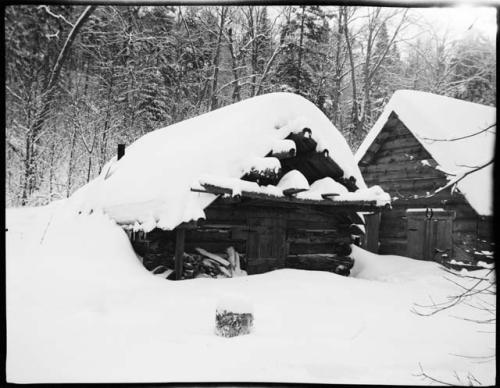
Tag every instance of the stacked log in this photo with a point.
(202, 264)
(338, 264)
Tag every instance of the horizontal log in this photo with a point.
(318, 262)
(294, 233)
(389, 157)
(309, 248)
(283, 154)
(358, 205)
(409, 167)
(208, 234)
(400, 141)
(313, 239)
(340, 246)
(319, 224)
(373, 149)
(414, 181)
(329, 195)
(292, 191)
(443, 198)
(399, 129)
(314, 165)
(261, 265)
(216, 247)
(404, 174)
(303, 141)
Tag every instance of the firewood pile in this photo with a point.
(206, 264)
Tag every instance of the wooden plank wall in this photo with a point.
(403, 168)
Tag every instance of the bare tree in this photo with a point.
(47, 96)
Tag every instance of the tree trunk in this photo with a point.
(301, 41)
(89, 168)
(338, 75)
(235, 64)
(104, 139)
(70, 165)
(51, 169)
(354, 112)
(46, 100)
(214, 104)
(252, 25)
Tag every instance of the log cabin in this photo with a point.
(269, 178)
(417, 151)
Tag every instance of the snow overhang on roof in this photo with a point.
(436, 121)
(151, 185)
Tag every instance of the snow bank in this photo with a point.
(432, 118)
(81, 308)
(391, 268)
(151, 184)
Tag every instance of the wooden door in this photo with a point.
(266, 244)
(429, 233)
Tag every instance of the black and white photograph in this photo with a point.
(250, 192)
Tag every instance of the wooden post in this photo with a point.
(179, 252)
(121, 151)
(372, 231)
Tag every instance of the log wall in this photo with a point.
(269, 236)
(398, 163)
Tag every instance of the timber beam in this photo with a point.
(352, 205)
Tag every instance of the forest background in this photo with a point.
(79, 80)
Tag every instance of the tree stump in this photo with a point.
(233, 318)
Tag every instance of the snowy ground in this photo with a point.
(80, 307)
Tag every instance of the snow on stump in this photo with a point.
(233, 317)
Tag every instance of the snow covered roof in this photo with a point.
(433, 120)
(150, 186)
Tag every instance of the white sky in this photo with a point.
(458, 19)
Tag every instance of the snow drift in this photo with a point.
(81, 308)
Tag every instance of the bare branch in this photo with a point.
(462, 137)
(462, 176)
(59, 17)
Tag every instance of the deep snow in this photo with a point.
(150, 185)
(80, 307)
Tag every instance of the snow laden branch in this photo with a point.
(462, 137)
(461, 176)
(69, 40)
